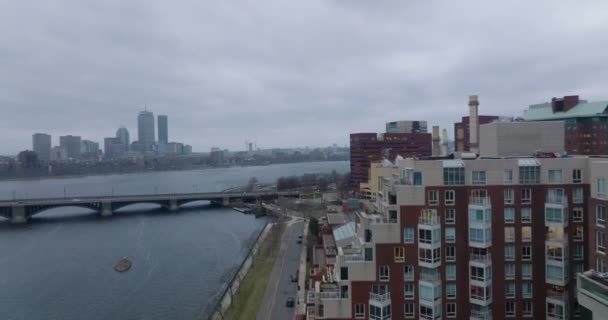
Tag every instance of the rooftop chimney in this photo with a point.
(436, 139)
(444, 142)
(473, 124)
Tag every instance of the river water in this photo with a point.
(60, 265)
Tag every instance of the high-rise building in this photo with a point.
(41, 144)
(113, 148)
(586, 123)
(163, 129)
(72, 145)
(175, 148)
(145, 130)
(122, 134)
(474, 238)
(366, 148)
(89, 146)
(59, 154)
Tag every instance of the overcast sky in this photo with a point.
(286, 73)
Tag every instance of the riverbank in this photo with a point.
(138, 172)
(245, 294)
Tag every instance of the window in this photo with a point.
(600, 187)
(509, 271)
(526, 271)
(450, 234)
(577, 176)
(408, 310)
(599, 264)
(529, 175)
(526, 215)
(417, 178)
(600, 215)
(450, 272)
(453, 176)
(429, 255)
(526, 289)
(359, 311)
(555, 176)
(392, 216)
(510, 290)
(509, 199)
(479, 273)
(526, 233)
(408, 273)
(369, 254)
(577, 214)
(384, 274)
(368, 235)
(429, 293)
(554, 215)
(509, 252)
(450, 291)
(429, 236)
(451, 310)
(579, 252)
(433, 197)
(509, 234)
(344, 292)
(599, 242)
(408, 291)
(527, 308)
(577, 233)
(320, 311)
(427, 312)
(450, 215)
(408, 235)
(526, 196)
(507, 176)
(399, 254)
(577, 195)
(510, 309)
(478, 177)
(343, 273)
(450, 197)
(526, 252)
(509, 215)
(480, 293)
(450, 254)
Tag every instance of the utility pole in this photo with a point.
(65, 193)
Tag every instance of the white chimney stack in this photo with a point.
(444, 142)
(473, 124)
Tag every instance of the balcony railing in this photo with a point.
(480, 315)
(430, 276)
(380, 297)
(430, 220)
(485, 258)
(557, 295)
(557, 199)
(354, 257)
(329, 295)
(480, 201)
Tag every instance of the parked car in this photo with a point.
(290, 302)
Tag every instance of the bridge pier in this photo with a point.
(226, 201)
(18, 214)
(106, 209)
(173, 205)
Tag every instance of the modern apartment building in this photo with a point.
(377, 171)
(72, 145)
(586, 123)
(366, 148)
(500, 238)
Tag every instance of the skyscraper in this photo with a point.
(122, 134)
(72, 144)
(163, 130)
(41, 144)
(145, 130)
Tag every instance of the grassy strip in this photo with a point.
(249, 297)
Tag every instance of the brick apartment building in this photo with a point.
(586, 123)
(467, 239)
(366, 148)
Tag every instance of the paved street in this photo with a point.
(279, 284)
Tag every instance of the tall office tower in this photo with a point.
(163, 129)
(145, 130)
(122, 134)
(72, 145)
(41, 144)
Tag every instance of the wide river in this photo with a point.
(60, 265)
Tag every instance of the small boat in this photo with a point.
(123, 265)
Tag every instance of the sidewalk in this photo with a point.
(301, 299)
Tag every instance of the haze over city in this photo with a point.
(286, 73)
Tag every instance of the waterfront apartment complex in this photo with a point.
(477, 238)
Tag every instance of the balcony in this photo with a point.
(556, 216)
(557, 305)
(480, 202)
(480, 258)
(480, 315)
(380, 299)
(432, 221)
(557, 199)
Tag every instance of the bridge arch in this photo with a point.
(35, 210)
(121, 205)
(181, 203)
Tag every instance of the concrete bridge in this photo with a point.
(20, 211)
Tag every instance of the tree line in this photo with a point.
(315, 182)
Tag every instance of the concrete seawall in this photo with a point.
(226, 299)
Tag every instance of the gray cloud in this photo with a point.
(286, 73)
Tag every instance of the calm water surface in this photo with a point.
(60, 266)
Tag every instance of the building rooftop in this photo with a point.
(544, 111)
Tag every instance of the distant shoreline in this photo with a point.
(69, 176)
